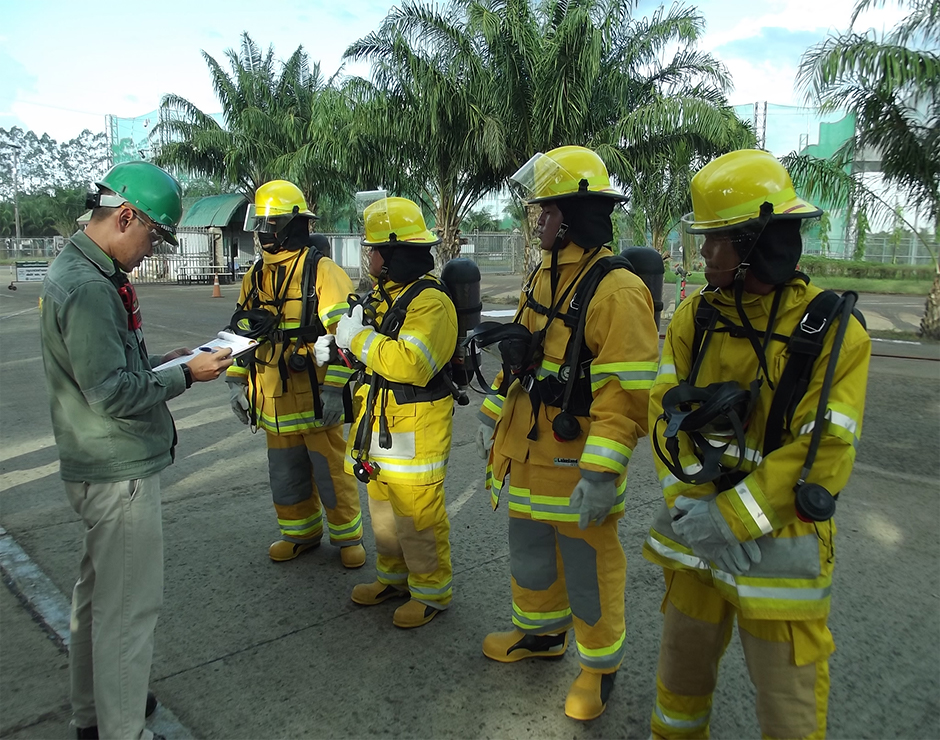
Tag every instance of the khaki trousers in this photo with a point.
(115, 604)
(787, 660)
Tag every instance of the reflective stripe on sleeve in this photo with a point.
(420, 344)
(606, 453)
(752, 508)
(330, 315)
(631, 375)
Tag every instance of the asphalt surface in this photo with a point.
(246, 648)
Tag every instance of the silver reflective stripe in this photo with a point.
(419, 345)
(338, 531)
(333, 314)
(753, 508)
(393, 468)
(681, 724)
(750, 454)
(388, 577)
(690, 561)
(364, 355)
(429, 592)
(786, 594)
(837, 418)
(667, 369)
(607, 454)
(671, 480)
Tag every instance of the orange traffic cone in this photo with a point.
(216, 290)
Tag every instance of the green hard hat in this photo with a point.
(152, 190)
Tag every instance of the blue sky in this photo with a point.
(60, 78)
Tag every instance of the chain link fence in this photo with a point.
(493, 252)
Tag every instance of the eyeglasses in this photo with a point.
(156, 239)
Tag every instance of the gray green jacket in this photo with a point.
(109, 411)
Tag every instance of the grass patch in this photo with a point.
(906, 336)
(871, 285)
(827, 282)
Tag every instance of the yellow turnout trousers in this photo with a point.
(788, 662)
(412, 539)
(562, 575)
(306, 470)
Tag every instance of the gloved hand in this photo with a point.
(238, 397)
(700, 523)
(324, 350)
(349, 326)
(332, 399)
(594, 496)
(484, 440)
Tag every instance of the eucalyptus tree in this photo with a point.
(890, 81)
(269, 108)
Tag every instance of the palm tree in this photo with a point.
(270, 109)
(476, 87)
(428, 124)
(890, 82)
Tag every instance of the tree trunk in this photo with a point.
(449, 248)
(364, 286)
(930, 324)
(533, 246)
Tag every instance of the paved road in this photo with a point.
(251, 649)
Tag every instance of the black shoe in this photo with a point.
(91, 733)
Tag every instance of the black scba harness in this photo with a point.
(440, 386)
(261, 319)
(521, 350)
(723, 408)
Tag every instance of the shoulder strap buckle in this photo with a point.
(807, 327)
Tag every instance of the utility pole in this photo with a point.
(16, 189)
(760, 123)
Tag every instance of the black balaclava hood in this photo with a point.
(294, 235)
(405, 263)
(322, 244)
(774, 256)
(588, 219)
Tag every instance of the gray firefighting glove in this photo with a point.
(238, 397)
(484, 440)
(594, 496)
(700, 523)
(332, 399)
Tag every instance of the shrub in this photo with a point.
(820, 266)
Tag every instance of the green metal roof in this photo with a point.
(213, 210)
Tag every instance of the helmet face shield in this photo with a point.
(541, 177)
(276, 203)
(565, 172)
(261, 221)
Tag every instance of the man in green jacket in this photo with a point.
(114, 434)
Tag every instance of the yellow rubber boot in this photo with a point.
(283, 550)
(587, 697)
(413, 614)
(370, 594)
(353, 556)
(516, 645)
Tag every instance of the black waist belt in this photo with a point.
(407, 393)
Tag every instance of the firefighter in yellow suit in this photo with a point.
(565, 492)
(400, 441)
(281, 390)
(742, 546)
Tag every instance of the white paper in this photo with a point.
(223, 340)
